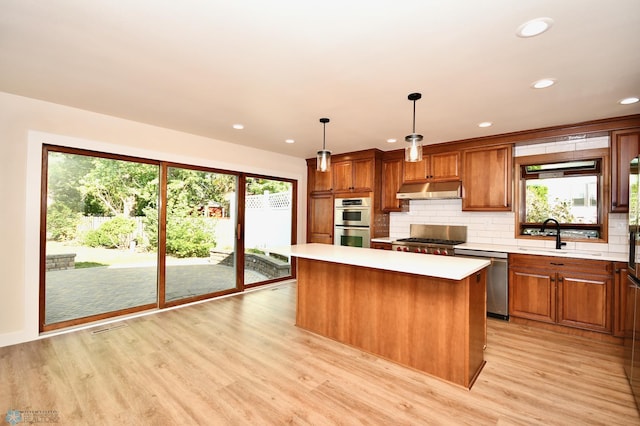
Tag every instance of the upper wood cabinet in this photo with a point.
(353, 175)
(443, 166)
(625, 145)
(317, 181)
(487, 178)
(391, 182)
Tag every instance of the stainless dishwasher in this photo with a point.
(497, 280)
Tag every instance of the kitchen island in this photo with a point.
(426, 312)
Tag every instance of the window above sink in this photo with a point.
(568, 187)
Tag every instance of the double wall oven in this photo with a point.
(352, 222)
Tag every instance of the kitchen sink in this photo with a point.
(561, 252)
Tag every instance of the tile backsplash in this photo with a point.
(494, 227)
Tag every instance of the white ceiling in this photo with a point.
(278, 66)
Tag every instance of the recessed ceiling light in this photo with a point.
(485, 124)
(534, 27)
(628, 101)
(392, 140)
(238, 126)
(289, 141)
(543, 83)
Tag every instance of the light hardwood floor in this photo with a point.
(241, 361)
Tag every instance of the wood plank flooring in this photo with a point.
(241, 360)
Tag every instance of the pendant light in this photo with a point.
(413, 152)
(323, 160)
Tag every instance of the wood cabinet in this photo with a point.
(317, 181)
(392, 166)
(487, 178)
(320, 218)
(625, 145)
(380, 246)
(444, 166)
(621, 300)
(353, 175)
(571, 292)
(356, 174)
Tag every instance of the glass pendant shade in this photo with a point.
(323, 160)
(413, 152)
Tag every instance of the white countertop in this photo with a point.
(577, 254)
(541, 251)
(453, 268)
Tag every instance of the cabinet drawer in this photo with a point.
(602, 267)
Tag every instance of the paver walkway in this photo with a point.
(77, 293)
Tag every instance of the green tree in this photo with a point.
(64, 174)
(257, 186)
(122, 187)
(539, 208)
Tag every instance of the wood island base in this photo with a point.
(434, 325)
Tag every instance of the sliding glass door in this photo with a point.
(200, 238)
(268, 217)
(121, 234)
(99, 251)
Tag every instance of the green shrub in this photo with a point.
(116, 233)
(62, 222)
(190, 237)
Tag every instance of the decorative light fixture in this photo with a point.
(413, 152)
(323, 160)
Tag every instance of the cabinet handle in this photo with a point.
(557, 264)
(560, 279)
(553, 279)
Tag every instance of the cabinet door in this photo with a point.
(318, 181)
(342, 172)
(320, 219)
(391, 181)
(415, 172)
(486, 179)
(363, 175)
(584, 301)
(532, 295)
(620, 284)
(445, 166)
(625, 145)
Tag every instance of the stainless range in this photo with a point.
(432, 239)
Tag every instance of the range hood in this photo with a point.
(430, 191)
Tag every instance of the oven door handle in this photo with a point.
(354, 227)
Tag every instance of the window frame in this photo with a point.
(603, 191)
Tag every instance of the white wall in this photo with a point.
(499, 227)
(26, 124)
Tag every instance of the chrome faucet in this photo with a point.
(559, 244)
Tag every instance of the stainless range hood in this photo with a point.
(430, 191)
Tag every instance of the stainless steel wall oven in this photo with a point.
(352, 222)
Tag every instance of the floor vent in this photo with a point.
(109, 328)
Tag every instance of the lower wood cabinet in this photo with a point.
(380, 246)
(320, 218)
(571, 292)
(623, 291)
